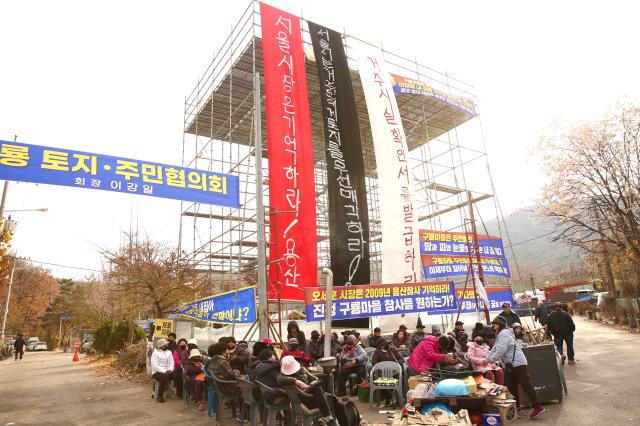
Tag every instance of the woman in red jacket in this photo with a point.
(429, 352)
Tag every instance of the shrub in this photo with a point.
(110, 336)
(133, 357)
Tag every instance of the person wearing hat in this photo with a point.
(177, 365)
(293, 331)
(561, 325)
(506, 350)
(162, 366)
(191, 344)
(375, 337)
(314, 349)
(461, 336)
(219, 366)
(509, 315)
(294, 350)
(521, 337)
(417, 335)
(431, 351)
(293, 374)
(194, 377)
(353, 360)
(386, 352)
(478, 351)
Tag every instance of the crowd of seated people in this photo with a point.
(278, 365)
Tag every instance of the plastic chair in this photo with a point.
(249, 401)
(305, 415)
(169, 390)
(222, 397)
(369, 352)
(389, 369)
(211, 401)
(273, 410)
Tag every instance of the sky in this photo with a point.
(111, 78)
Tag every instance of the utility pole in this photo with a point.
(476, 248)
(263, 314)
(6, 307)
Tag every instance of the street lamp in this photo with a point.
(6, 307)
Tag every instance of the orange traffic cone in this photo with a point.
(75, 356)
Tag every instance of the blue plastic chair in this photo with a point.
(211, 403)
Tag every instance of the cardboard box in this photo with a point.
(491, 420)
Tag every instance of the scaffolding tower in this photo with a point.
(443, 133)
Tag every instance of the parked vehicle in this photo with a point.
(30, 342)
(39, 346)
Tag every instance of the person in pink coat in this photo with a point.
(428, 353)
(476, 353)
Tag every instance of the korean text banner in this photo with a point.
(448, 266)
(348, 215)
(292, 196)
(220, 308)
(467, 304)
(56, 166)
(404, 85)
(440, 243)
(398, 217)
(361, 301)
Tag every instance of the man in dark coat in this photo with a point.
(541, 313)
(417, 335)
(18, 346)
(461, 336)
(374, 339)
(509, 315)
(561, 325)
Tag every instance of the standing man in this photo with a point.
(162, 366)
(417, 335)
(509, 315)
(461, 336)
(18, 346)
(561, 325)
(541, 313)
(512, 357)
(172, 342)
(374, 339)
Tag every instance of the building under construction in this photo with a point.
(442, 128)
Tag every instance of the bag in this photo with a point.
(346, 413)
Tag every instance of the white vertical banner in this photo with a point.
(400, 250)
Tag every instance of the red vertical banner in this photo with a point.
(292, 198)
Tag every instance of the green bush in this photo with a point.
(110, 336)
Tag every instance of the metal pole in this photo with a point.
(263, 314)
(477, 250)
(327, 310)
(6, 308)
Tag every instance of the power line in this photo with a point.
(61, 266)
(531, 239)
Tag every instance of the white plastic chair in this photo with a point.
(388, 369)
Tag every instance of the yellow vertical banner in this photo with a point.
(163, 328)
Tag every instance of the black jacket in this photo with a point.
(266, 372)
(511, 317)
(301, 339)
(374, 340)
(19, 344)
(560, 323)
(303, 375)
(315, 349)
(541, 314)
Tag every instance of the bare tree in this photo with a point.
(150, 277)
(592, 192)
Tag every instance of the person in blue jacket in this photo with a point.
(353, 359)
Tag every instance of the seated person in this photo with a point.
(336, 348)
(292, 373)
(191, 344)
(386, 352)
(177, 365)
(221, 369)
(266, 371)
(430, 352)
(294, 350)
(402, 341)
(478, 351)
(521, 338)
(255, 353)
(162, 366)
(237, 354)
(195, 378)
(374, 339)
(461, 336)
(314, 347)
(353, 360)
(418, 334)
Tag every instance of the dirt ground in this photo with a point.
(46, 388)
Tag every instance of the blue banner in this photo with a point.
(363, 301)
(220, 308)
(448, 266)
(468, 302)
(55, 166)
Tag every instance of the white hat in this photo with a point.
(192, 342)
(516, 324)
(194, 353)
(289, 365)
(162, 342)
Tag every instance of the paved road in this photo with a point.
(47, 388)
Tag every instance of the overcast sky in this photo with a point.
(111, 77)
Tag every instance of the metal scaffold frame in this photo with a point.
(220, 129)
